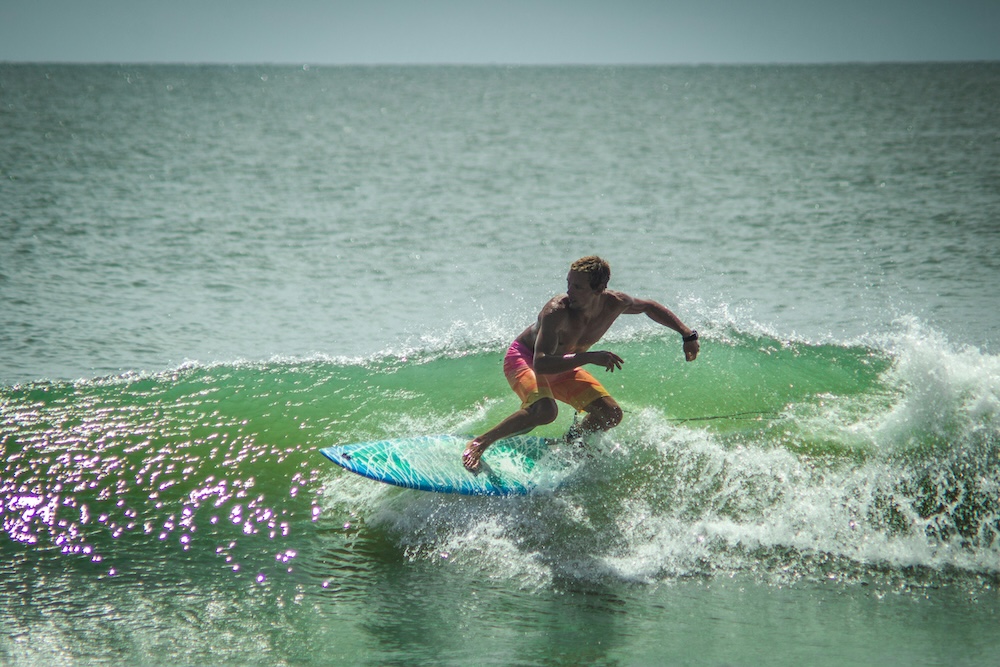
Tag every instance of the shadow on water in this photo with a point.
(457, 580)
(468, 619)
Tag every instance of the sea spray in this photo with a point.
(813, 487)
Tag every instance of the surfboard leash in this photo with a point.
(758, 415)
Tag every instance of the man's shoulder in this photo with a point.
(618, 299)
(615, 295)
(557, 306)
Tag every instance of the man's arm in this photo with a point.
(547, 362)
(663, 315)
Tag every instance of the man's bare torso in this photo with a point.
(569, 330)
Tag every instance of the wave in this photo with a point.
(785, 459)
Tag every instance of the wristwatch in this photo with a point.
(692, 337)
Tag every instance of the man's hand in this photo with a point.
(691, 350)
(609, 360)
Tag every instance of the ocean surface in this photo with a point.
(207, 273)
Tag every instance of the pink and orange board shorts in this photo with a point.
(576, 387)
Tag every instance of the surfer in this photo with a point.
(544, 364)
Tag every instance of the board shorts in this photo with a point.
(575, 387)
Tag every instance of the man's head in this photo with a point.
(596, 269)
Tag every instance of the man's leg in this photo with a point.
(584, 392)
(543, 411)
(603, 414)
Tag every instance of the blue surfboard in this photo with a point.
(513, 466)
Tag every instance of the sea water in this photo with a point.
(209, 273)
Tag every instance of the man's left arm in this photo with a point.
(663, 315)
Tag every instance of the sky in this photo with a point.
(499, 32)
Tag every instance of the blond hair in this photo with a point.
(598, 270)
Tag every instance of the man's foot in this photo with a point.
(579, 443)
(471, 455)
(575, 435)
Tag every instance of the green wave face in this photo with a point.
(758, 449)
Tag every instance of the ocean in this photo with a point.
(208, 273)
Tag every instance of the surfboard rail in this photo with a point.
(514, 466)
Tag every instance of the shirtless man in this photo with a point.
(544, 363)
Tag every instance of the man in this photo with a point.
(544, 363)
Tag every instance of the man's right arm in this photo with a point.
(548, 362)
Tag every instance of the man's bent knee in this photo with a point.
(543, 411)
(605, 412)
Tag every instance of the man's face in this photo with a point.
(578, 289)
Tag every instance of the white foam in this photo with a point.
(664, 501)
(945, 393)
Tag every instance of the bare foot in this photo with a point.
(575, 435)
(471, 455)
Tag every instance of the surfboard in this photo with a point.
(514, 466)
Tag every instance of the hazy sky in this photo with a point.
(501, 31)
